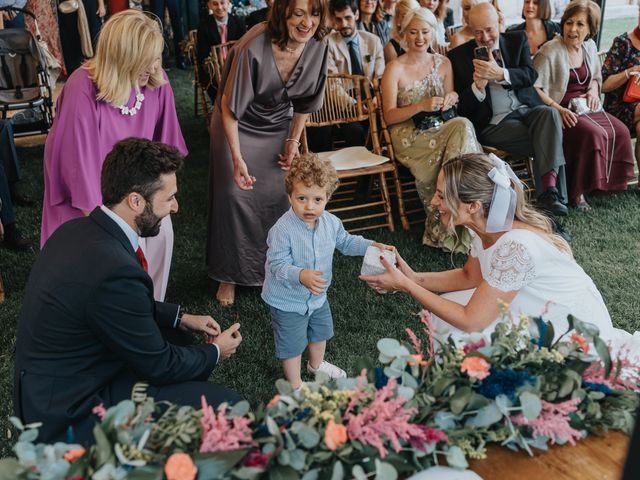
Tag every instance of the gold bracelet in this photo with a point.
(293, 140)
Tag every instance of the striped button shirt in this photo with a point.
(294, 247)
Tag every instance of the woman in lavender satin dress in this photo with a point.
(121, 92)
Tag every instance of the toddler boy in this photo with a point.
(298, 268)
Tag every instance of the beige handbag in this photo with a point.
(70, 6)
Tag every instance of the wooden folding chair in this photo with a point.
(522, 166)
(218, 57)
(199, 90)
(344, 103)
(410, 207)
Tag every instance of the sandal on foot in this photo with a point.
(583, 206)
(226, 295)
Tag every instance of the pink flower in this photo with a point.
(256, 459)
(625, 373)
(475, 367)
(274, 401)
(429, 437)
(472, 347)
(221, 434)
(100, 411)
(553, 421)
(384, 420)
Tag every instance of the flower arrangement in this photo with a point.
(428, 401)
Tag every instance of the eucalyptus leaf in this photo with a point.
(460, 400)
(445, 420)
(28, 436)
(384, 359)
(216, 465)
(392, 372)
(399, 363)
(338, 471)
(409, 381)
(311, 474)
(104, 450)
(240, 409)
(504, 404)
(248, 473)
(406, 392)
(16, 422)
(441, 385)
(284, 387)
(308, 436)
(9, 468)
(389, 347)
(486, 416)
(531, 405)
(148, 472)
(280, 472)
(385, 471)
(298, 458)
(605, 356)
(346, 383)
(284, 458)
(358, 472)
(456, 458)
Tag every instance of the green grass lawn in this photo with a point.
(606, 243)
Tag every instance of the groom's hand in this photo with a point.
(228, 341)
(200, 323)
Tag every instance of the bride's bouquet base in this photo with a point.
(594, 458)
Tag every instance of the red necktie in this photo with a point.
(223, 38)
(142, 259)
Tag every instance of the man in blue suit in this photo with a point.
(90, 328)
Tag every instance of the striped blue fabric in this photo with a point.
(294, 247)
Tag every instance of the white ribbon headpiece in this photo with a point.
(503, 203)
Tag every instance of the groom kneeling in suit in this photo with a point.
(90, 328)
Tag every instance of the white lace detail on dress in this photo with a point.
(511, 267)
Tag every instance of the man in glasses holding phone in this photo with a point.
(494, 77)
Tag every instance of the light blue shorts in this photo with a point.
(292, 332)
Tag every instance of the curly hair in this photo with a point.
(311, 170)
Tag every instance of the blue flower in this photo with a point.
(598, 387)
(505, 382)
(381, 378)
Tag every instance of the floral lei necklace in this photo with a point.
(124, 110)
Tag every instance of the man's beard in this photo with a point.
(148, 223)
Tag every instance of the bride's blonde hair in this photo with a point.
(466, 180)
(129, 42)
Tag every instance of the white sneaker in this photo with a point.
(329, 369)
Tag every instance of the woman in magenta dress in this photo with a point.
(597, 146)
(121, 92)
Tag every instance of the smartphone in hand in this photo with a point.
(481, 53)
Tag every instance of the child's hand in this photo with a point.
(312, 279)
(382, 246)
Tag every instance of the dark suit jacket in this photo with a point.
(517, 59)
(551, 28)
(256, 17)
(88, 317)
(208, 34)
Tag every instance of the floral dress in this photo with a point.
(424, 152)
(621, 55)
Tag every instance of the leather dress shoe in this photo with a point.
(22, 200)
(550, 202)
(560, 230)
(17, 242)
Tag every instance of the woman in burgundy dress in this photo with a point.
(597, 146)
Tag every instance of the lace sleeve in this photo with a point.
(511, 267)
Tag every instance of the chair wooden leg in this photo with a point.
(205, 107)
(195, 98)
(387, 201)
(404, 220)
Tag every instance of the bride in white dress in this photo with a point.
(515, 258)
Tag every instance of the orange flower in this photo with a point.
(476, 367)
(580, 340)
(274, 401)
(335, 435)
(179, 466)
(73, 455)
(418, 360)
